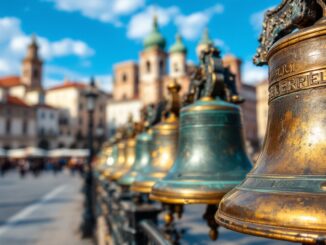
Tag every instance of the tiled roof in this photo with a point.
(68, 84)
(13, 100)
(10, 81)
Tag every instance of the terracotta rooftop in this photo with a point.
(13, 100)
(10, 81)
(68, 84)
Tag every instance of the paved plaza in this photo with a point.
(43, 211)
(47, 210)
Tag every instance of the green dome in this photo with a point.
(178, 46)
(206, 40)
(155, 38)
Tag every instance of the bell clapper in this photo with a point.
(209, 217)
(170, 229)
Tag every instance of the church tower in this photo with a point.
(152, 66)
(32, 67)
(205, 42)
(178, 62)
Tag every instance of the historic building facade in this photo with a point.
(70, 98)
(25, 119)
(144, 82)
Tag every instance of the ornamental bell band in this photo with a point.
(284, 196)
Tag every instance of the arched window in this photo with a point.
(124, 77)
(175, 67)
(161, 67)
(148, 67)
(35, 73)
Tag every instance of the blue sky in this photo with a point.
(80, 38)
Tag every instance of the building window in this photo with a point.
(42, 115)
(25, 127)
(35, 73)
(124, 77)
(161, 67)
(175, 67)
(8, 126)
(148, 67)
(101, 108)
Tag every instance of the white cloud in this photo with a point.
(256, 19)
(103, 10)
(253, 74)
(141, 24)
(13, 43)
(191, 26)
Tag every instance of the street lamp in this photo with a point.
(91, 95)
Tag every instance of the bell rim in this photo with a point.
(213, 197)
(117, 174)
(143, 187)
(267, 231)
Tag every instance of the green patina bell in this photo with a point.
(211, 156)
(143, 157)
(165, 139)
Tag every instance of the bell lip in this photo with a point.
(143, 187)
(128, 178)
(117, 174)
(304, 34)
(187, 198)
(267, 231)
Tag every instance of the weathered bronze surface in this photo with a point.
(129, 160)
(284, 196)
(165, 140)
(143, 150)
(119, 161)
(211, 157)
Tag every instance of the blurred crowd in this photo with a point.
(36, 166)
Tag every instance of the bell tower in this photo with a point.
(32, 67)
(152, 66)
(177, 56)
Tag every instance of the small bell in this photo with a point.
(165, 136)
(129, 153)
(143, 151)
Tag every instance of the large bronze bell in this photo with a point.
(211, 158)
(165, 140)
(284, 196)
(143, 151)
